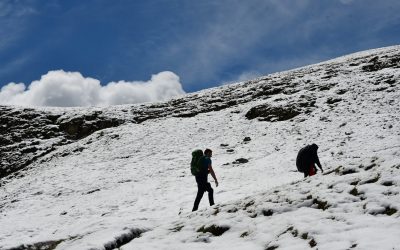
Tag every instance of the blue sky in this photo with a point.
(206, 43)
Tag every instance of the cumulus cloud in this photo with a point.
(71, 89)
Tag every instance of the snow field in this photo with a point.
(130, 186)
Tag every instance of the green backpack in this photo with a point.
(195, 164)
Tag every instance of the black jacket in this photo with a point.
(306, 157)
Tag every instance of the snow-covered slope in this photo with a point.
(129, 185)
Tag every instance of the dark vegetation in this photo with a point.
(47, 245)
(124, 239)
(213, 229)
(321, 204)
(240, 161)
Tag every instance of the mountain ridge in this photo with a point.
(122, 184)
(69, 124)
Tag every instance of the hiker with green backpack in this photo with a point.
(200, 166)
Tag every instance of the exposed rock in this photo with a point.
(321, 204)
(214, 230)
(332, 100)
(29, 134)
(124, 238)
(341, 91)
(247, 139)
(23, 133)
(241, 161)
(268, 212)
(80, 127)
(47, 245)
(270, 113)
(378, 63)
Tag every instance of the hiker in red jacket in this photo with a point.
(306, 160)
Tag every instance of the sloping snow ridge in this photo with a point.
(129, 186)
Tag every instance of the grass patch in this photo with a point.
(304, 236)
(321, 204)
(290, 229)
(232, 210)
(124, 238)
(354, 183)
(216, 211)
(177, 228)
(312, 243)
(390, 211)
(387, 183)
(354, 192)
(253, 215)
(348, 171)
(373, 180)
(248, 204)
(268, 212)
(214, 230)
(369, 167)
(240, 161)
(46, 245)
(245, 234)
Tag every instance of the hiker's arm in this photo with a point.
(213, 174)
(318, 163)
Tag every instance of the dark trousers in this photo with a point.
(203, 186)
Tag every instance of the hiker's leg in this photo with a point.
(210, 194)
(199, 195)
(201, 188)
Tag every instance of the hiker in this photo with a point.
(201, 178)
(306, 160)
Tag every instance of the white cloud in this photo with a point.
(71, 89)
(161, 86)
(8, 92)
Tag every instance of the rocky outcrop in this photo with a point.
(269, 113)
(23, 137)
(282, 111)
(26, 135)
(382, 62)
(82, 126)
